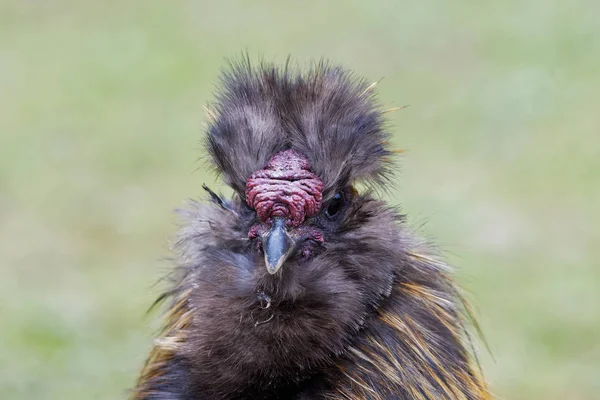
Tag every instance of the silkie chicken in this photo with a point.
(300, 286)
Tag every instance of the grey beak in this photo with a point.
(277, 245)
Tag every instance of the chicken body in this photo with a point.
(300, 287)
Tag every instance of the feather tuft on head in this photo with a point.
(326, 113)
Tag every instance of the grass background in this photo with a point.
(100, 123)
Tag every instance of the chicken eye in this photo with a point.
(335, 205)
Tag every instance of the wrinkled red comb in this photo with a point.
(285, 188)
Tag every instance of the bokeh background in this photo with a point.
(100, 128)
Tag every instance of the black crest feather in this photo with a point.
(326, 113)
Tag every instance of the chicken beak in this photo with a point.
(277, 245)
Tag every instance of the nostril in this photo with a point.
(306, 252)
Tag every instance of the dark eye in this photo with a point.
(335, 205)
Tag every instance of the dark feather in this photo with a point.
(326, 113)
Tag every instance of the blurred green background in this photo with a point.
(100, 127)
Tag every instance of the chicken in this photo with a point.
(300, 286)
